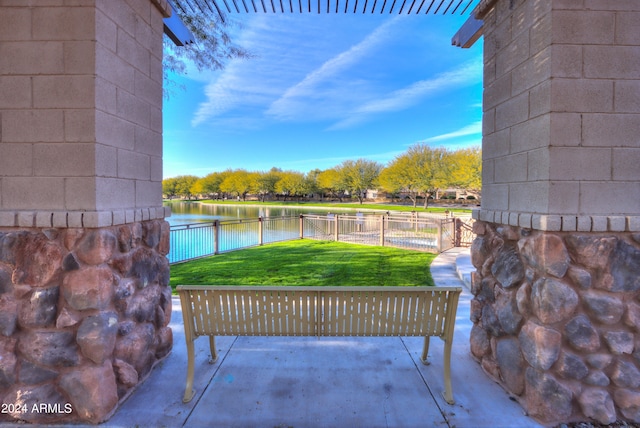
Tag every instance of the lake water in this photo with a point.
(194, 212)
(196, 241)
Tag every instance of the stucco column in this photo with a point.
(84, 296)
(556, 310)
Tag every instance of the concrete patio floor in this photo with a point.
(326, 382)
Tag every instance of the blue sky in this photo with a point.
(325, 88)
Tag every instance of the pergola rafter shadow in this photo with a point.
(408, 7)
(178, 32)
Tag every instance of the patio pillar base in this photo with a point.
(84, 316)
(556, 319)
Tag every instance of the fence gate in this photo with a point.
(448, 234)
(464, 232)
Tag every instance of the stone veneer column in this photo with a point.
(556, 307)
(84, 296)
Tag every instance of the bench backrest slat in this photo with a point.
(326, 311)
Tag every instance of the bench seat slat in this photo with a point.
(225, 313)
(291, 314)
(398, 319)
(408, 319)
(253, 307)
(362, 312)
(384, 310)
(200, 310)
(441, 310)
(246, 312)
(393, 314)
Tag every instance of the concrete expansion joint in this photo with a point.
(84, 219)
(561, 222)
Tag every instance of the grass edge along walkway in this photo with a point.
(309, 263)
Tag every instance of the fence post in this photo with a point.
(439, 244)
(458, 232)
(260, 240)
(337, 232)
(301, 226)
(216, 237)
(382, 230)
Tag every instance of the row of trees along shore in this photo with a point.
(420, 172)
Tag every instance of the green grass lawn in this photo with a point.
(306, 262)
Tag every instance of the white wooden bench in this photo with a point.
(318, 311)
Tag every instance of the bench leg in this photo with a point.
(214, 351)
(448, 393)
(189, 392)
(425, 351)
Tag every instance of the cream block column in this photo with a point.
(556, 310)
(561, 114)
(84, 296)
(81, 113)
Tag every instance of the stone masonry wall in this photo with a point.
(84, 316)
(557, 320)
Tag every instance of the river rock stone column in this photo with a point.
(84, 296)
(84, 317)
(556, 306)
(556, 320)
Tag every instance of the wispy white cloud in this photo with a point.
(296, 75)
(467, 74)
(472, 129)
(257, 82)
(228, 93)
(321, 84)
(341, 77)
